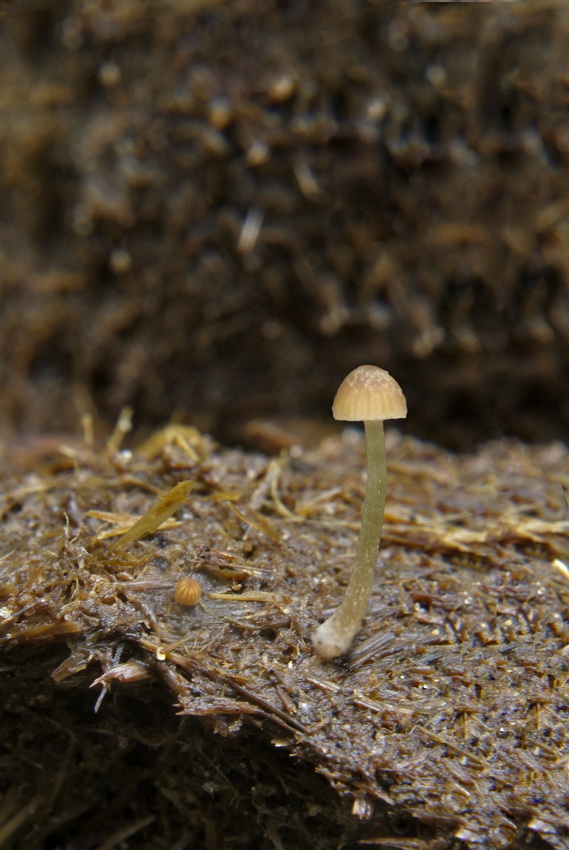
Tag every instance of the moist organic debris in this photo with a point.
(447, 722)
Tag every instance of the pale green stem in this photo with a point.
(334, 637)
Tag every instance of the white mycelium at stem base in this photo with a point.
(371, 394)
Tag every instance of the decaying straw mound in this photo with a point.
(447, 722)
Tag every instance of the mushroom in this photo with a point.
(188, 591)
(371, 395)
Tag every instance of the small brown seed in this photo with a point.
(187, 591)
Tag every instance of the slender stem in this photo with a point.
(335, 635)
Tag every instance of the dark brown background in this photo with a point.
(408, 168)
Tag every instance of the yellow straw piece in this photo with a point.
(160, 511)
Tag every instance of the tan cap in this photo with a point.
(367, 394)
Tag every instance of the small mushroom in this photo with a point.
(188, 591)
(371, 395)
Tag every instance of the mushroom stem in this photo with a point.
(335, 635)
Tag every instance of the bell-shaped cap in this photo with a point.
(369, 394)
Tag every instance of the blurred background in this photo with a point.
(210, 211)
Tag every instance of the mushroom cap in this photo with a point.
(369, 393)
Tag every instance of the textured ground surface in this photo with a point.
(447, 722)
